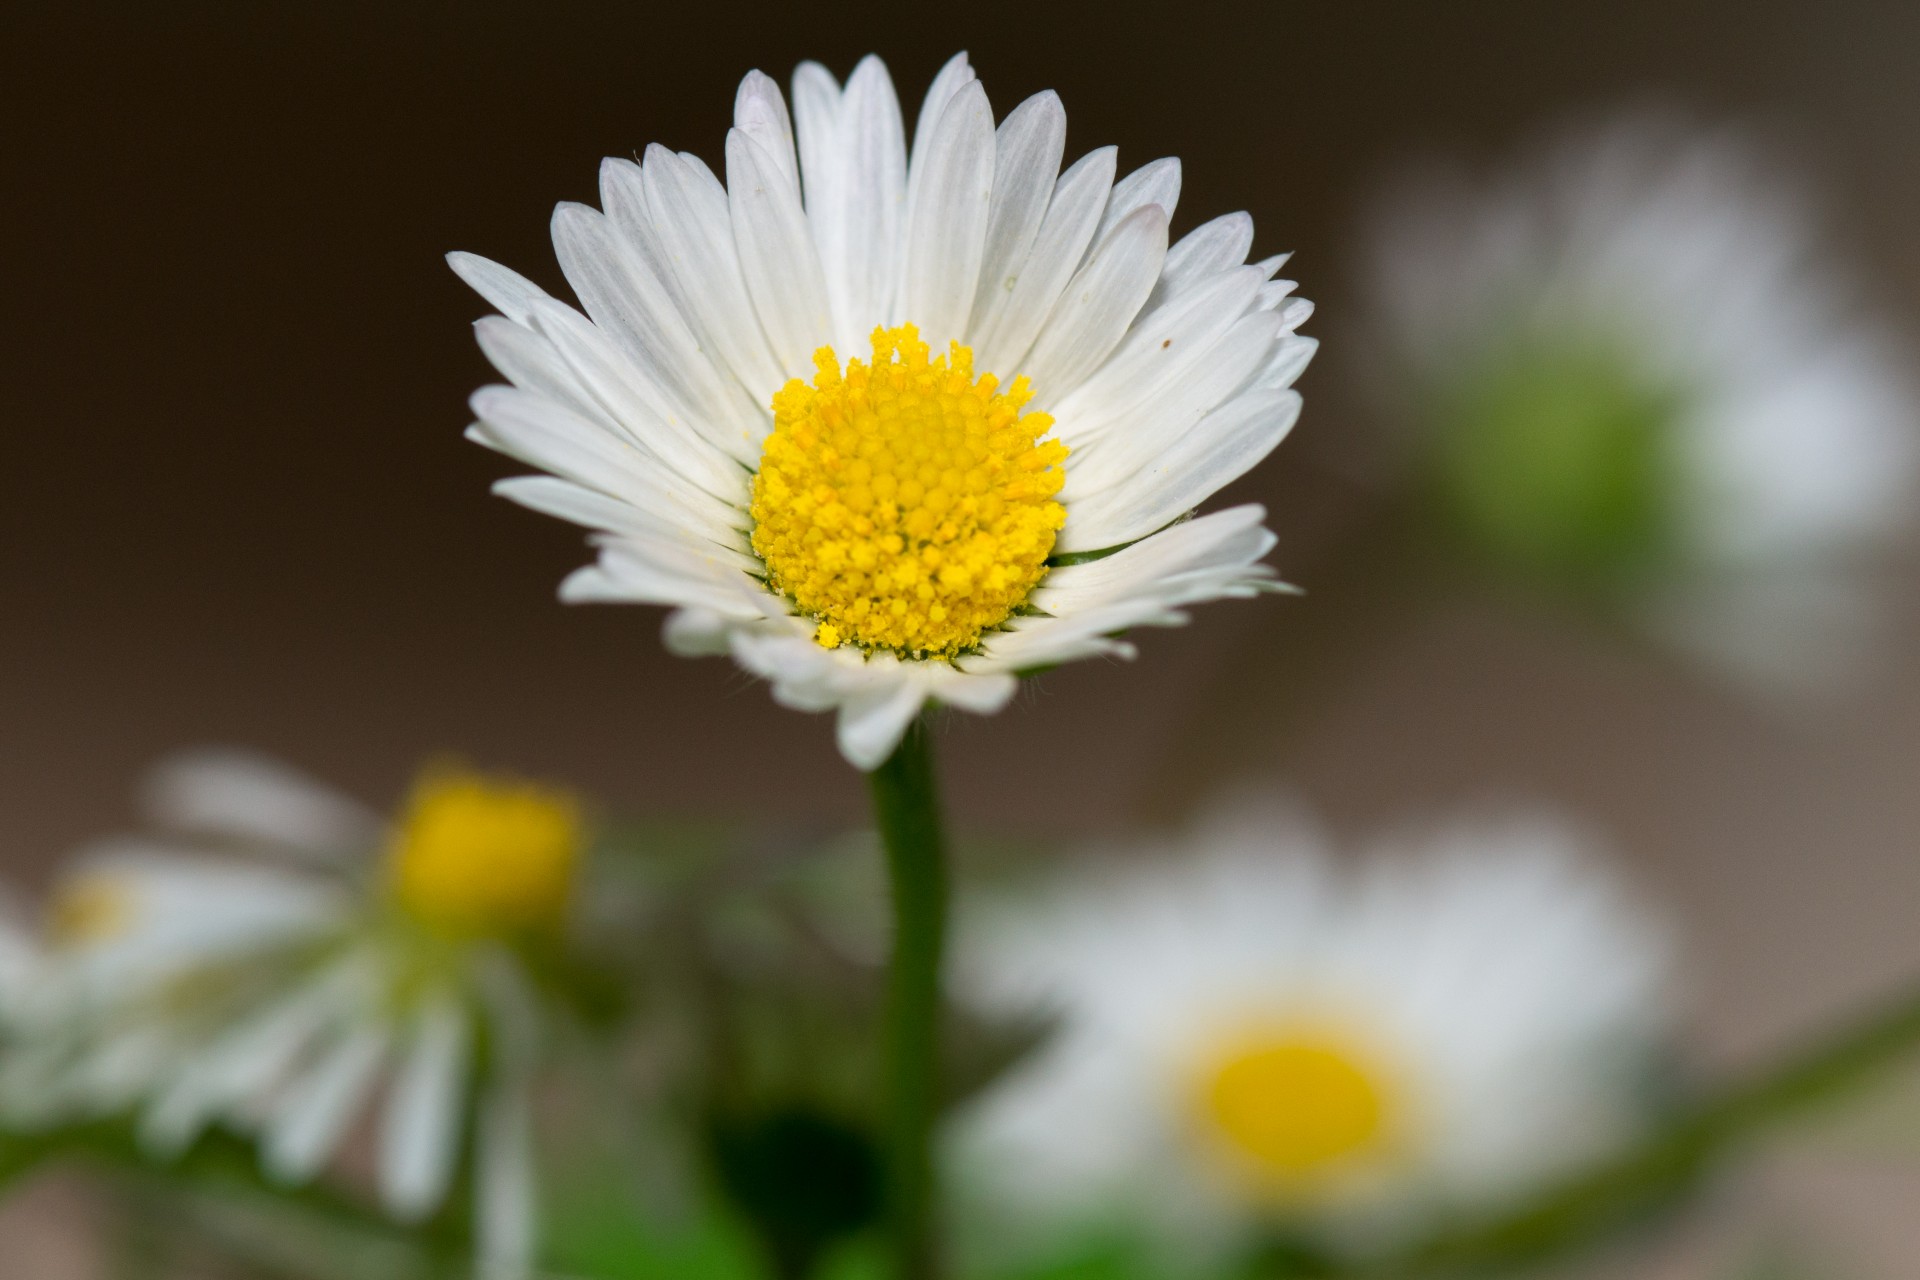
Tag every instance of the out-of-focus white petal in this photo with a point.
(225, 791)
(506, 1209)
(311, 1119)
(420, 1131)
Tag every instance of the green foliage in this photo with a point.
(805, 1178)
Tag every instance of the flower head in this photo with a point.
(256, 963)
(1641, 378)
(891, 425)
(477, 856)
(1249, 1037)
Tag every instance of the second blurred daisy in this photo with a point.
(1638, 376)
(1255, 1041)
(279, 960)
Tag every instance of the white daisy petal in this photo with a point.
(511, 292)
(1274, 293)
(249, 796)
(863, 266)
(1151, 184)
(178, 909)
(947, 227)
(689, 212)
(1164, 347)
(1288, 361)
(1210, 248)
(760, 113)
(1268, 266)
(692, 632)
(546, 435)
(1089, 635)
(311, 1119)
(420, 1132)
(627, 299)
(653, 572)
(805, 676)
(529, 362)
(1073, 213)
(971, 691)
(1027, 151)
(1098, 304)
(565, 500)
(506, 1209)
(642, 412)
(826, 159)
(956, 74)
(816, 129)
(777, 256)
(245, 1062)
(1158, 420)
(1219, 449)
(1215, 557)
(873, 722)
(1232, 539)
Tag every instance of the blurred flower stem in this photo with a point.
(906, 809)
(1677, 1157)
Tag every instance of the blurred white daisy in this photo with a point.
(280, 960)
(858, 413)
(1639, 372)
(1250, 1038)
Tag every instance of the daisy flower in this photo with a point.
(892, 426)
(1639, 373)
(282, 961)
(1248, 1037)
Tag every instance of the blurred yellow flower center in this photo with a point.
(90, 908)
(477, 855)
(1297, 1103)
(906, 504)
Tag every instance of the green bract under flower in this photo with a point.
(1556, 462)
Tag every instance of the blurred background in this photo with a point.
(238, 507)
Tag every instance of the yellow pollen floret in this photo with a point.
(486, 856)
(1295, 1105)
(90, 908)
(906, 505)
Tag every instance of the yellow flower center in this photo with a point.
(906, 505)
(1294, 1105)
(478, 855)
(90, 908)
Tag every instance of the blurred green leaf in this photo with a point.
(1558, 464)
(805, 1178)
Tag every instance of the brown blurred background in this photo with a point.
(237, 506)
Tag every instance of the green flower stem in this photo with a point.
(906, 808)
(1677, 1157)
